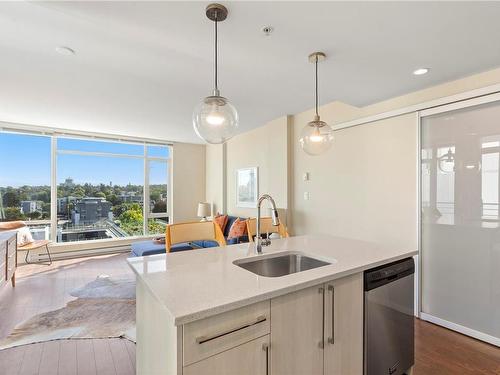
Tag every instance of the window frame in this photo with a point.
(146, 160)
(54, 136)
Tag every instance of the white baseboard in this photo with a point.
(461, 329)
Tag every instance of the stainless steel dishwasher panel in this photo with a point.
(389, 327)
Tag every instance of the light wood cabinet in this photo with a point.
(206, 337)
(251, 358)
(315, 331)
(297, 326)
(344, 354)
(319, 330)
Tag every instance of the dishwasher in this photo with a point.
(388, 318)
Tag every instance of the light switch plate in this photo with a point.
(305, 176)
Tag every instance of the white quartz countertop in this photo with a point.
(200, 283)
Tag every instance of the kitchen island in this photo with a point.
(199, 313)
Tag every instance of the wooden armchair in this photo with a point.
(266, 226)
(33, 245)
(193, 231)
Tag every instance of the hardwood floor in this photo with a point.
(41, 288)
(438, 351)
(68, 357)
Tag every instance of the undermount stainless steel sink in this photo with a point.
(280, 264)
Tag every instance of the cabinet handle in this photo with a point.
(331, 339)
(203, 339)
(322, 342)
(265, 347)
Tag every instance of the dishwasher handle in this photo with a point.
(387, 273)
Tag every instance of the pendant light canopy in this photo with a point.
(317, 136)
(215, 120)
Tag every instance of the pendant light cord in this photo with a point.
(216, 83)
(316, 63)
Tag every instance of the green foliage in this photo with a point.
(129, 215)
(34, 215)
(160, 206)
(133, 213)
(13, 213)
(156, 227)
(115, 201)
(131, 219)
(11, 199)
(155, 196)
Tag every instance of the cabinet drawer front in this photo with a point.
(209, 336)
(247, 359)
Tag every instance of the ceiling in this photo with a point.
(141, 67)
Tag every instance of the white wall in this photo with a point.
(188, 174)
(365, 187)
(216, 177)
(265, 148)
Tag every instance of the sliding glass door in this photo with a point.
(460, 229)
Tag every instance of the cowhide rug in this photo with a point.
(104, 308)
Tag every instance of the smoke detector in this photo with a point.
(267, 30)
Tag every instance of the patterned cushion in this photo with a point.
(238, 229)
(222, 221)
(229, 224)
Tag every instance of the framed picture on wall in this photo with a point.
(247, 187)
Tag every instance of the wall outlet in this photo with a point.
(307, 195)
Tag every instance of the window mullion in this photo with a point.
(145, 199)
(53, 188)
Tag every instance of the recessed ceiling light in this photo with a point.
(66, 51)
(421, 71)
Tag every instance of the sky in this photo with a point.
(25, 160)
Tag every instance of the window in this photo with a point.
(157, 188)
(25, 192)
(105, 189)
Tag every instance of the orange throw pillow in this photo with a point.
(238, 229)
(221, 220)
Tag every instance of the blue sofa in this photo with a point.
(144, 248)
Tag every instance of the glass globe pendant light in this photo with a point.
(317, 136)
(215, 120)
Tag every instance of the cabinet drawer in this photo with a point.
(251, 358)
(209, 336)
